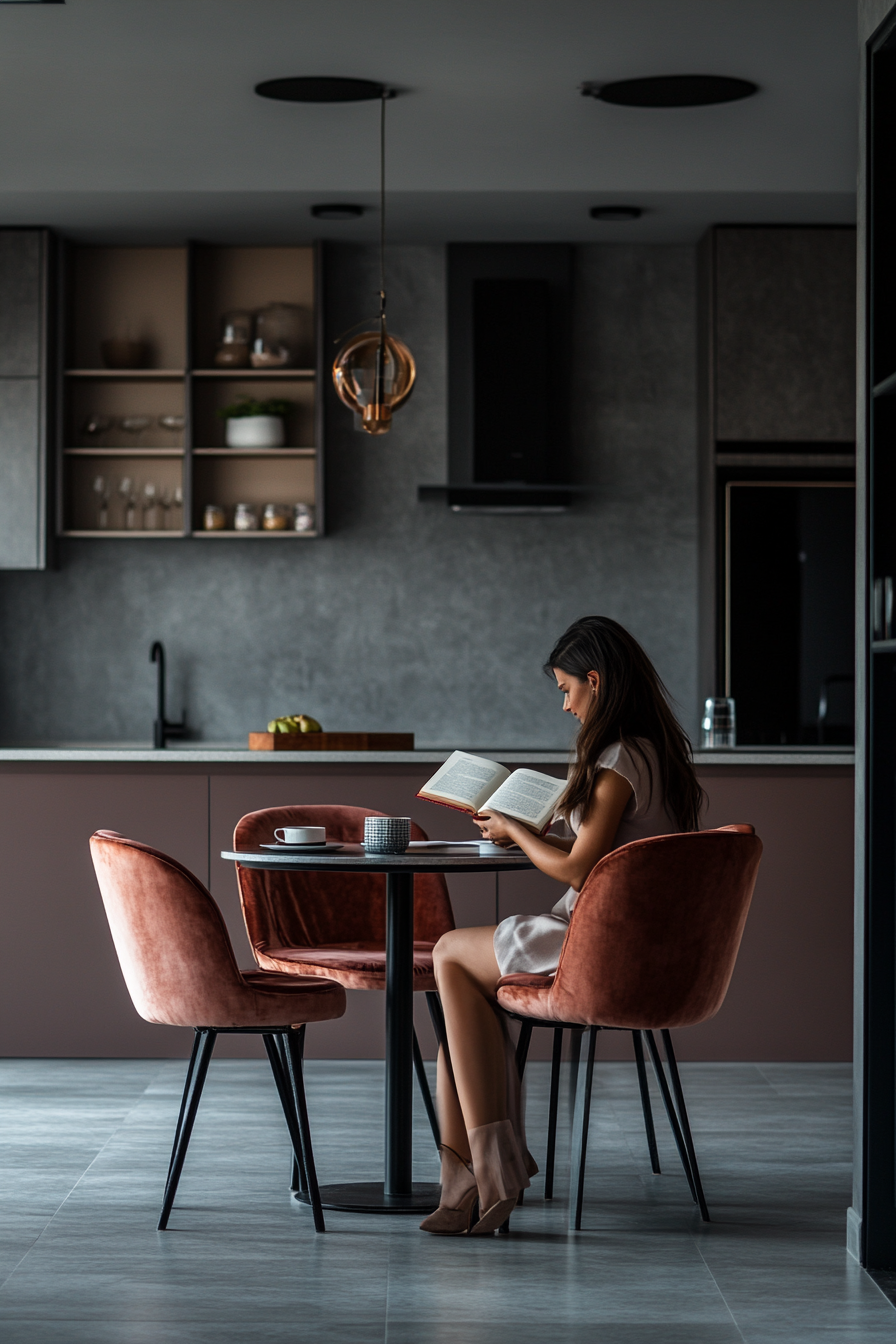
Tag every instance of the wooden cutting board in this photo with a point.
(331, 741)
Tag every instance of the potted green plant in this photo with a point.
(255, 424)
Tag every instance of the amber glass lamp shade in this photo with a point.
(355, 375)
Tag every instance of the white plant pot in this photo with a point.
(255, 431)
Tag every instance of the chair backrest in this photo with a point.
(170, 936)
(313, 909)
(655, 932)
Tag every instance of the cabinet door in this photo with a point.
(785, 335)
(23, 426)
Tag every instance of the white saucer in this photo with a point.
(304, 849)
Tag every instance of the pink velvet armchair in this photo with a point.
(651, 945)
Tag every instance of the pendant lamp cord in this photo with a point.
(385, 95)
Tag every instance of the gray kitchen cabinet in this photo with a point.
(24, 256)
(783, 334)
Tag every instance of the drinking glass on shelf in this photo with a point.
(101, 490)
(172, 423)
(718, 728)
(150, 508)
(178, 503)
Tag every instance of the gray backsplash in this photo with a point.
(406, 616)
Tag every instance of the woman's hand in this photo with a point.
(496, 827)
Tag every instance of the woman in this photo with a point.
(632, 778)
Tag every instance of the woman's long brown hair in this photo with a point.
(631, 703)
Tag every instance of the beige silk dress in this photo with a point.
(531, 943)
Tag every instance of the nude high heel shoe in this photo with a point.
(500, 1172)
(457, 1203)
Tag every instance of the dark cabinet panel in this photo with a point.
(23, 398)
(784, 338)
(22, 471)
(21, 301)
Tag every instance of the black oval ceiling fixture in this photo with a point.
(671, 91)
(322, 89)
(337, 210)
(617, 212)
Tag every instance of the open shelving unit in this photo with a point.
(172, 299)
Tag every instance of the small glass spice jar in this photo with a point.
(232, 351)
(303, 518)
(245, 518)
(214, 518)
(275, 518)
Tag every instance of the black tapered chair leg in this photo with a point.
(553, 1107)
(645, 1103)
(437, 1017)
(276, 1046)
(425, 1093)
(685, 1124)
(193, 1086)
(522, 1048)
(183, 1101)
(294, 1050)
(575, 1051)
(670, 1111)
(580, 1134)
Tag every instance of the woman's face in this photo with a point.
(578, 695)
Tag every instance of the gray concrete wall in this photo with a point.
(405, 616)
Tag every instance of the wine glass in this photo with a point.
(150, 511)
(172, 423)
(179, 501)
(101, 490)
(135, 424)
(95, 425)
(128, 495)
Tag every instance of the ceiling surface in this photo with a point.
(136, 119)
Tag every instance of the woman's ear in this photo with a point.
(593, 680)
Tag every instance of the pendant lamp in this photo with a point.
(374, 372)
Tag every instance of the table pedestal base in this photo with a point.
(370, 1197)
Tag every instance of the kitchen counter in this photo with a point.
(790, 998)
(233, 753)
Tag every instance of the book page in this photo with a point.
(465, 779)
(529, 796)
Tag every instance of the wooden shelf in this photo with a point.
(260, 535)
(254, 373)
(255, 452)
(133, 534)
(129, 374)
(123, 452)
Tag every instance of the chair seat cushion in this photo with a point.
(528, 995)
(353, 965)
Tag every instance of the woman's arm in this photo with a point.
(594, 840)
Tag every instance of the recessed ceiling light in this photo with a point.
(337, 211)
(671, 91)
(323, 89)
(611, 212)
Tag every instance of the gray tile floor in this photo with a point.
(84, 1149)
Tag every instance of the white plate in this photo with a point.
(304, 849)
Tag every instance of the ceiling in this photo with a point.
(136, 119)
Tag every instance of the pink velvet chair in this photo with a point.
(334, 924)
(651, 945)
(179, 967)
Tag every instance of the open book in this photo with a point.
(476, 784)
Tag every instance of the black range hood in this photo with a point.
(509, 326)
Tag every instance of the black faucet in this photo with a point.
(161, 728)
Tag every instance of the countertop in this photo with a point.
(233, 753)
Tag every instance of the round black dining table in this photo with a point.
(398, 1193)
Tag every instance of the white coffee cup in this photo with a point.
(301, 835)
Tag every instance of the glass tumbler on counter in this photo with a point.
(719, 725)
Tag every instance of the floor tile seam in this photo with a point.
(97, 1155)
(734, 1322)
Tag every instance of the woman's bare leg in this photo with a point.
(452, 1129)
(467, 975)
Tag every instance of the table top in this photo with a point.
(355, 859)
